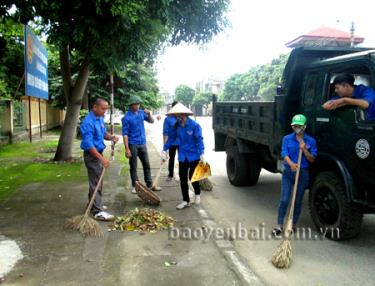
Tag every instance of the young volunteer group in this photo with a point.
(184, 135)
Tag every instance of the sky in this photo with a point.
(258, 33)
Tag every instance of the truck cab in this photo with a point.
(342, 179)
(343, 176)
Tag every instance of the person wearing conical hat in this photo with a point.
(291, 144)
(190, 150)
(134, 136)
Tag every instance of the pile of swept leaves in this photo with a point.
(143, 220)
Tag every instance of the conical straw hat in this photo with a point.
(179, 108)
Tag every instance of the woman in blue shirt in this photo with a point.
(291, 145)
(169, 123)
(190, 150)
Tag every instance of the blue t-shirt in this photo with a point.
(290, 147)
(169, 122)
(191, 141)
(93, 131)
(366, 93)
(133, 126)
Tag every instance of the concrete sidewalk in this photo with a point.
(35, 214)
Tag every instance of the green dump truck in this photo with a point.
(342, 184)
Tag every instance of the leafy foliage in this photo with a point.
(133, 79)
(202, 98)
(107, 35)
(11, 58)
(143, 220)
(184, 94)
(259, 82)
(139, 80)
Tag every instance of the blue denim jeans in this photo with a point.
(287, 184)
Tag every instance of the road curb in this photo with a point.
(227, 249)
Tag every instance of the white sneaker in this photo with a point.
(197, 200)
(104, 216)
(182, 205)
(134, 191)
(156, 189)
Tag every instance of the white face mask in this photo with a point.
(299, 130)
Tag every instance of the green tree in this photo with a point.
(109, 34)
(184, 94)
(139, 80)
(203, 99)
(11, 58)
(260, 81)
(233, 88)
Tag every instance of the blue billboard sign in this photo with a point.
(36, 66)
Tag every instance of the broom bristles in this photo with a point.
(283, 255)
(85, 225)
(206, 185)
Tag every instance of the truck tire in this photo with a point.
(253, 170)
(236, 167)
(330, 209)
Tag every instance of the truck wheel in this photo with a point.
(236, 167)
(330, 210)
(253, 170)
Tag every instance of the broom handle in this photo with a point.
(156, 181)
(95, 192)
(295, 187)
(98, 184)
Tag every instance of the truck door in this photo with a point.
(363, 149)
(311, 95)
(351, 137)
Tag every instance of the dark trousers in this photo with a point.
(186, 170)
(172, 155)
(94, 170)
(141, 152)
(287, 184)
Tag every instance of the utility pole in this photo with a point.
(352, 38)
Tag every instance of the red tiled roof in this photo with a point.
(326, 33)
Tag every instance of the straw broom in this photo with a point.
(84, 223)
(283, 255)
(157, 177)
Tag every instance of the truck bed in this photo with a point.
(252, 121)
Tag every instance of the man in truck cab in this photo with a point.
(291, 144)
(349, 94)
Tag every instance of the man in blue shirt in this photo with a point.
(190, 150)
(94, 132)
(134, 135)
(169, 123)
(350, 94)
(291, 145)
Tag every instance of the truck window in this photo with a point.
(310, 89)
(362, 75)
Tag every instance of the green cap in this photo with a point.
(299, 119)
(134, 100)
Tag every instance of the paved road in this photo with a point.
(316, 262)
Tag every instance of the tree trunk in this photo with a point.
(85, 101)
(69, 130)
